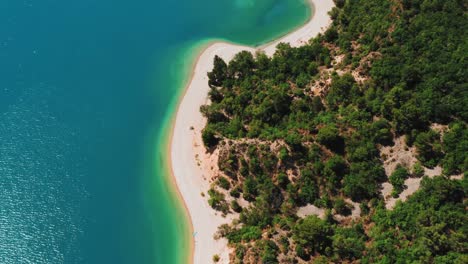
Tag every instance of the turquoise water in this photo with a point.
(86, 91)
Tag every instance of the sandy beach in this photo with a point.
(192, 168)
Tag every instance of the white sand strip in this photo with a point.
(191, 175)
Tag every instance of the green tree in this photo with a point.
(219, 73)
(348, 243)
(397, 179)
(313, 234)
(362, 182)
(418, 170)
(341, 207)
(329, 136)
(342, 91)
(429, 148)
(209, 137)
(335, 169)
(217, 201)
(249, 190)
(455, 146)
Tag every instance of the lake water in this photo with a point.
(86, 91)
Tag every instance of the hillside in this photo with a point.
(352, 148)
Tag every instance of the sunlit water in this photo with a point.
(86, 88)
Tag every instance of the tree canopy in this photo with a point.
(306, 127)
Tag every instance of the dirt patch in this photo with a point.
(397, 154)
(311, 210)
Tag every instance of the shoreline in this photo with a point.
(167, 138)
(199, 49)
(184, 139)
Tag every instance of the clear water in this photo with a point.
(86, 91)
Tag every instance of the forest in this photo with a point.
(307, 127)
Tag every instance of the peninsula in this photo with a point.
(344, 141)
(191, 166)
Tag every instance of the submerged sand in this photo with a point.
(192, 167)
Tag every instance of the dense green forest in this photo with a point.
(307, 127)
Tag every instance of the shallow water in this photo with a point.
(86, 89)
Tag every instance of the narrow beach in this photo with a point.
(192, 168)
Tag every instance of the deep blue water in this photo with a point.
(85, 87)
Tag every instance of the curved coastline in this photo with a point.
(165, 140)
(187, 177)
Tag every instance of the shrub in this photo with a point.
(418, 170)
(235, 206)
(224, 183)
(217, 201)
(341, 207)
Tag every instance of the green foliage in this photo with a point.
(242, 65)
(455, 146)
(257, 215)
(382, 132)
(331, 34)
(249, 190)
(429, 148)
(362, 181)
(236, 191)
(431, 224)
(283, 180)
(419, 58)
(219, 73)
(217, 201)
(246, 233)
(341, 91)
(235, 206)
(397, 179)
(294, 140)
(330, 137)
(348, 243)
(284, 146)
(341, 207)
(308, 191)
(209, 137)
(335, 169)
(339, 3)
(418, 170)
(269, 251)
(312, 234)
(223, 183)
